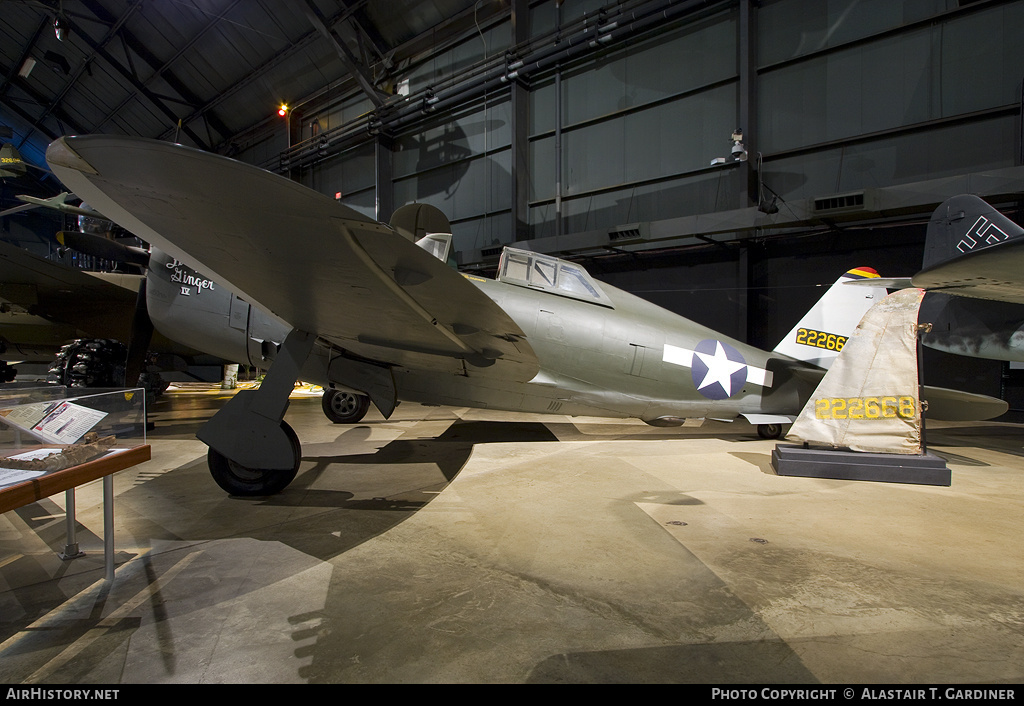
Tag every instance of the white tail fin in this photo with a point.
(822, 332)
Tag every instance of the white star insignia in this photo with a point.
(720, 369)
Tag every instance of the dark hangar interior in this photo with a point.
(726, 160)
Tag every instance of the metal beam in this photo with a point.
(100, 50)
(166, 65)
(244, 81)
(26, 51)
(349, 60)
(747, 60)
(36, 123)
(97, 48)
(144, 53)
(496, 73)
(385, 184)
(365, 30)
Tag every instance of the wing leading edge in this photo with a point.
(299, 254)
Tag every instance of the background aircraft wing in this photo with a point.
(315, 263)
(972, 250)
(90, 306)
(71, 302)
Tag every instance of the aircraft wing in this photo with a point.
(63, 294)
(972, 250)
(313, 262)
(994, 273)
(17, 209)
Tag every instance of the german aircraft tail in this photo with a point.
(963, 225)
(973, 251)
(821, 333)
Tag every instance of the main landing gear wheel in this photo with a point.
(236, 479)
(344, 407)
(769, 431)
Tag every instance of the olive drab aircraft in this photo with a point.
(376, 312)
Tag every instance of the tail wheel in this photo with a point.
(237, 479)
(344, 407)
(769, 431)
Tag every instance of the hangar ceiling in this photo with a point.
(563, 85)
(200, 71)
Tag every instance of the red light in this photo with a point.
(283, 110)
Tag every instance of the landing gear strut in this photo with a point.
(252, 450)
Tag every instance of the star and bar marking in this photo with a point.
(719, 370)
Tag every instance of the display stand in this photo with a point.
(866, 419)
(54, 439)
(916, 469)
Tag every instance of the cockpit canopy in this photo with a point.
(524, 268)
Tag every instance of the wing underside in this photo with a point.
(995, 273)
(311, 261)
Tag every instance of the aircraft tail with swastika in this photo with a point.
(965, 225)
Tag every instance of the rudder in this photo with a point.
(821, 333)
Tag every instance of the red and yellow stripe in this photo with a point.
(861, 273)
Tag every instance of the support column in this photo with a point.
(747, 109)
(385, 186)
(520, 97)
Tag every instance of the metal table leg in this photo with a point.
(71, 550)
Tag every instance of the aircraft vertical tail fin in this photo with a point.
(962, 225)
(821, 333)
(11, 163)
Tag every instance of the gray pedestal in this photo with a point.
(924, 469)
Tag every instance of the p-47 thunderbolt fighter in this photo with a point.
(375, 310)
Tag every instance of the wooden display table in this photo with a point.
(53, 482)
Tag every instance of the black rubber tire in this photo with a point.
(344, 407)
(769, 431)
(250, 482)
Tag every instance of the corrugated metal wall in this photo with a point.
(842, 94)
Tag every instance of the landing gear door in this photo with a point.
(239, 316)
(238, 320)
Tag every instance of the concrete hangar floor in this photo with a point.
(450, 545)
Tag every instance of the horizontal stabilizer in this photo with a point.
(887, 282)
(11, 163)
(956, 406)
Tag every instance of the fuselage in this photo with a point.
(629, 359)
(618, 357)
